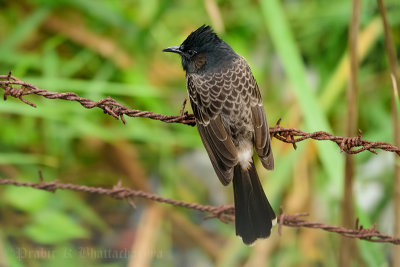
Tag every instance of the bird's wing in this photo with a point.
(262, 139)
(208, 97)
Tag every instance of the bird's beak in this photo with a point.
(173, 49)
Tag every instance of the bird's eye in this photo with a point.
(191, 52)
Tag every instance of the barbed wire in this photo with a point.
(108, 105)
(224, 213)
(16, 88)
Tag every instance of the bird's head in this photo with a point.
(202, 50)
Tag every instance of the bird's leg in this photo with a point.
(183, 107)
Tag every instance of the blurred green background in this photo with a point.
(298, 53)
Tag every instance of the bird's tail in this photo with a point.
(254, 215)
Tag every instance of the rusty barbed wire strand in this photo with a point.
(223, 213)
(108, 105)
(16, 88)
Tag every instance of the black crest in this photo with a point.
(204, 38)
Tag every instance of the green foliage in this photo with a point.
(50, 227)
(31, 202)
(298, 53)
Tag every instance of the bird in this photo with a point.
(232, 123)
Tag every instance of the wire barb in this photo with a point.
(352, 145)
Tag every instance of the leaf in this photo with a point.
(27, 199)
(51, 227)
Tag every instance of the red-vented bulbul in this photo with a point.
(231, 121)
